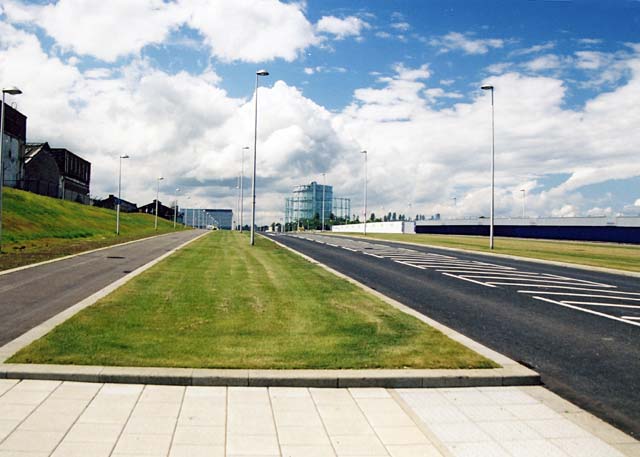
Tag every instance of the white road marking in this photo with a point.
(588, 311)
(631, 318)
(585, 295)
(469, 280)
(410, 264)
(349, 249)
(613, 305)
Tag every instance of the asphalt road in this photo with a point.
(31, 296)
(579, 329)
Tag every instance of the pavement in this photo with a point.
(53, 418)
(579, 329)
(30, 296)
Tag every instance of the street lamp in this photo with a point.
(175, 209)
(119, 193)
(242, 187)
(160, 178)
(11, 91)
(493, 154)
(324, 185)
(365, 191)
(523, 198)
(255, 143)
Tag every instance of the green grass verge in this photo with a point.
(219, 303)
(37, 228)
(607, 255)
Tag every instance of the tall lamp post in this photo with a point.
(11, 91)
(175, 209)
(255, 144)
(119, 194)
(242, 186)
(365, 191)
(160, 178)
(493, 155)
(324, 185)
(523, 199)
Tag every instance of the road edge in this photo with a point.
(77, 254)
(42, 329)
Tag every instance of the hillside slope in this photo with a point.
(36, 228)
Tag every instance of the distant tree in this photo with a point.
(393, 216)
(372, 218)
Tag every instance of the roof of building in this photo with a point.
(33, 149)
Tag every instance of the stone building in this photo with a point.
(14, 138)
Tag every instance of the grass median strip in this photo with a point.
(605, 255)
(219, 303)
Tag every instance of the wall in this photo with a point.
(624, 229)
(377, 227)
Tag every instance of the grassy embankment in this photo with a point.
(219, 303)
(37, 228)
(607, 255)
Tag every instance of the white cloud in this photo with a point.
(105, 30)
(454, 41)
(592, 60)
(589, 41)
(498, 68)
(341, 27)
(236, 29)
(545, 62)
(534, 49)
(114, 29)
(402, 26)
(637, 202)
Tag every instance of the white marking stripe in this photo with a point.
(584, 295)
(613, 305)
(349, 249)
(469, 280)
(538, 280)
(409, 264)
(633, 318)
(373, 255)
(589, 311)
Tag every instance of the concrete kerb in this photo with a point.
(577, 266)
(58, 259)
(35, 333)
(511, 373)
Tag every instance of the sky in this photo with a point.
(171, 84)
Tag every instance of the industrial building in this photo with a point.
(306, 203)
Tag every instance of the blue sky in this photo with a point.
(172, 82)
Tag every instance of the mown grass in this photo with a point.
(607, 255)
(219, 303)
(37, 228)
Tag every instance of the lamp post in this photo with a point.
(11, 91)
(255, 143)
(175, 209)
(119, 192)
(523, 199)
(242, 186)
(493, 155)
(160, 178)
(365, 191)
(324, 185)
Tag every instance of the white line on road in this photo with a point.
(469, 280)
(578, 295)
(588, 311)
(613, 305)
